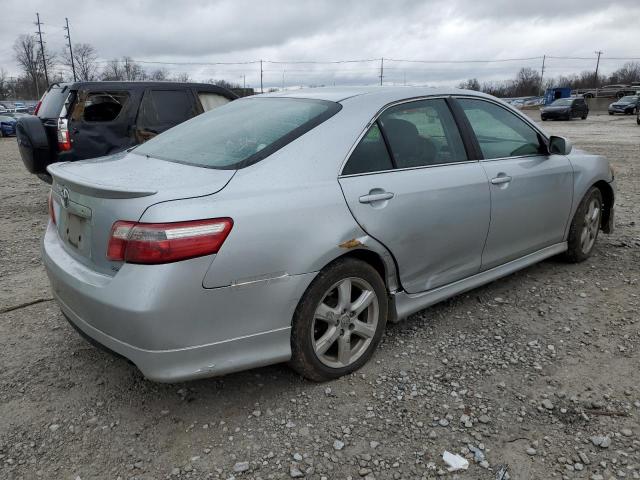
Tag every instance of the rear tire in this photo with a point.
(585, 227)
(610, 113)
(339, 321)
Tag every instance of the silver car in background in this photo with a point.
(293, 227)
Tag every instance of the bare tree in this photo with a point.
(4, 84)
(112, 71)
(630, 72)
(159, 75)
(471, 84)
(28, 55)
(84, 58)
(132, 70)
(182, 77)
(124, 69)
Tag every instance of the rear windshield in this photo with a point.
(562, 102)
(239, 133)
(53, 102)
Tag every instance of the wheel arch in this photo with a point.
(607, 199)
(376, 255)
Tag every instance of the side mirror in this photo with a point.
(559, 146)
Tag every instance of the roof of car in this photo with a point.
(373, 93)
(145, 84)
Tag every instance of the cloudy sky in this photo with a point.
(198, 31)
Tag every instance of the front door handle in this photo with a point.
(376, 197)
(500, 179)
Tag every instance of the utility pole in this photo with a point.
(544, 57)
(283, 79)
(381, 70)
(68, 37)
(597, 65)
(261, 90)
(44, 60)
(244, 82)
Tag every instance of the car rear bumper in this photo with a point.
(163, 320)
(555, 115)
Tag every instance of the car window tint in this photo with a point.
(164, 108)
(239, 133)
(500, 132)
(103, 106)
(211, 100)
(422, 133)
(370, 155)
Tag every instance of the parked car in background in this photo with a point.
(612, 91)
(627, 105)
(7, 126)
(294, 226)
(80, 120)
(565, 109)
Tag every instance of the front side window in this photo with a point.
(164, 108)
(239, 133)
(500, 133)
(371, 154)
(422, 133)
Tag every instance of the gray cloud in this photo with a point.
(241, 30)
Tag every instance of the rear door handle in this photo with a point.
(500, 180)
(376, 197)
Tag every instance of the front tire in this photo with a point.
(339, 321)
(585, 227)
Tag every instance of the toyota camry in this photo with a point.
(292, 227)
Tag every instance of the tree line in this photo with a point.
(31, 83)
(529, 83)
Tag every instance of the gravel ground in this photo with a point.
(538, 372)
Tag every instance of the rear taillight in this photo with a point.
(153, 243)
(64, 141)
(52, 212)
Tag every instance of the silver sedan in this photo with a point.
(293, 227)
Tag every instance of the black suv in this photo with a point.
(565, 109)
(75, 121)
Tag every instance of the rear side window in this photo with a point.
(211, 100)
(165, 108)
(104, 106)
(239, 133)
(422, 133)
(500, 133)
(370, 155)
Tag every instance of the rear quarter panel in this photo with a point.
(289, 213)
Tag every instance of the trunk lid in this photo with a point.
(89, 196)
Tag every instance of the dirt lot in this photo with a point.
(539, 371)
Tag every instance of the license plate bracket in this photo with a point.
(77, 233)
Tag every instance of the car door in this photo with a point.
(99, 123)
(531, 190)
(161, 109)
(411, 185)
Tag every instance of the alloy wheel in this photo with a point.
(591, 226)
(345, 322)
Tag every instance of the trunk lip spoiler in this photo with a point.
(91, 187)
